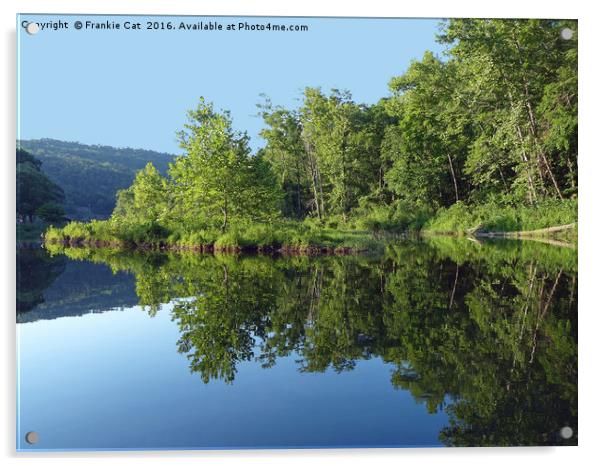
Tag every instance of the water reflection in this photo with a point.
(491, 327)
(49, 287)
(36, 271)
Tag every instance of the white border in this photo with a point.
(590, 170)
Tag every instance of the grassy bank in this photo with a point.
(359, 234)
(284, 236)
(462, 219)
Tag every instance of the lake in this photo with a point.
(435, 342)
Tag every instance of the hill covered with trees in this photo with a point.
(483, 137)
(39, 200)
(91, 175)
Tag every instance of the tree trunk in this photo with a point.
(503, 178)
(571, 172)
(313, 174)
(299, 214)
(314, 184)
(532, 192)
(225, 213)
(320, 190)
(453, 173)
(533, 127)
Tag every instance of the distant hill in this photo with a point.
(90, 176)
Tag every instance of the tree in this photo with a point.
(34, 188)
(124, 204)
(286, 155)
(150, 194)
(51, 212)
(342, 146)
(218, 181)
(432, 136)
(519, 82)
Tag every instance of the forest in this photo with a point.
(90, 176)
(483, 137)
(39, 199)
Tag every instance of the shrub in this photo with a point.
(229, 240)
(456, 218)
(77, 230)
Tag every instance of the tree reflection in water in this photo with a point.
(487, 332)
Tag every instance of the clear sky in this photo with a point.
(131, 88)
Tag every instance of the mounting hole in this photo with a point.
(566, 432)
(32, 437)
(32, 28)
(566, 33)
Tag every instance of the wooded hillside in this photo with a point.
(89, 175)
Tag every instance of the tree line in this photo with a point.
(495, 119)
(492, 121)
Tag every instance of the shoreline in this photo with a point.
(288, 250)
(551, 233)
(546, 235)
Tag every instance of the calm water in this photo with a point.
(433, 343)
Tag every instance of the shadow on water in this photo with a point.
(485, 331)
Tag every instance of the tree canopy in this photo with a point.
(37, 196)
(91, 175)
(216, 182)
(495, 118)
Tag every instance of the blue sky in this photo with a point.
(130, 88)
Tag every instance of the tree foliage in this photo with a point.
(91, 175)
(37, 195)
(216, 183)
(494, 119)
(488, 127)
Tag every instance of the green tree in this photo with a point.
(519, 83)
(432, 137)
(286, 155)
(51, 212)
(342, 146)
(218, 181)
(150, 194)
(124, 204)
(34, 188)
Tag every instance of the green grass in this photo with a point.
(357, 234)
(460, 217)
(287, 234)
(397, 218)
